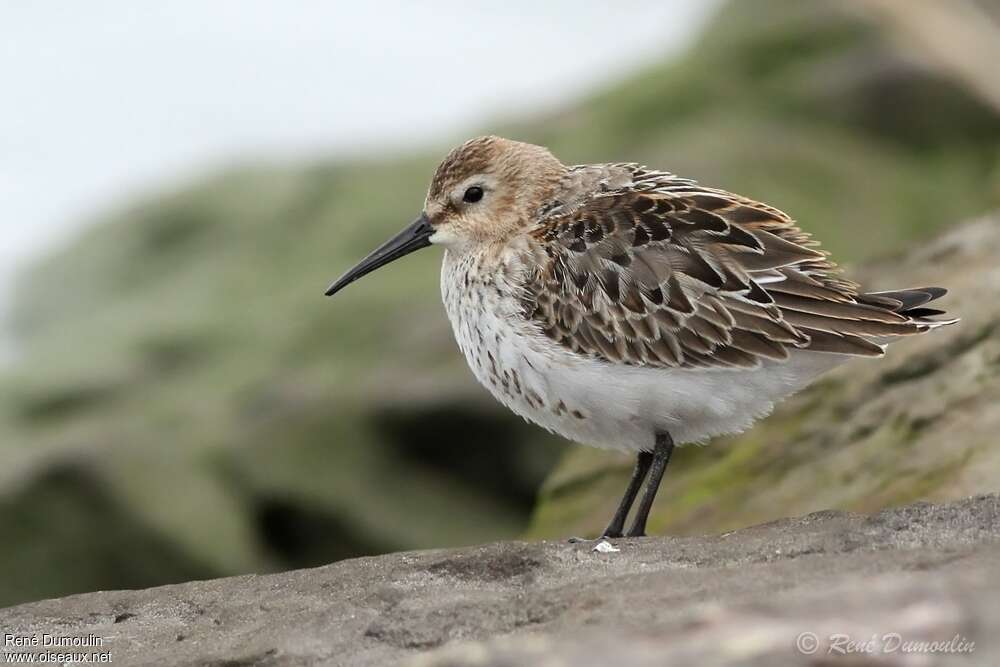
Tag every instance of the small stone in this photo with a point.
(605, 547)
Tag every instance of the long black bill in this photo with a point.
(414, 237)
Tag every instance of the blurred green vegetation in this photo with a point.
(189, 405)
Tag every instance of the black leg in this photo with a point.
(661, 457)
(617, 525)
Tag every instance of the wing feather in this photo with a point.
(666, 273)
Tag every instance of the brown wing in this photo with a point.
(676, 275)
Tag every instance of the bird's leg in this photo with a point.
(617, 524)
(660, 459)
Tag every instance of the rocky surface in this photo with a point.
(927, 573)
(923, 423)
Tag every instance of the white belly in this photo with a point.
(602, 404)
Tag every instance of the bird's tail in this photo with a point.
(911, 304)
(874, 320)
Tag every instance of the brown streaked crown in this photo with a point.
(475, 156)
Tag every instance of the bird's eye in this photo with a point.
(473, 194)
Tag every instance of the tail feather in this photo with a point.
(908, 299)
(923, 313)
(910, 304)
(861, 332)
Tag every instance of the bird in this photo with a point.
(629, 308)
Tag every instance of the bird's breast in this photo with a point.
(504, 350)
(484, 316)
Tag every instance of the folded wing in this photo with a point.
(667, 273)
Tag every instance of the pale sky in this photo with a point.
(106, 99)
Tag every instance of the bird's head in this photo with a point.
(483, 192)
(487, 189)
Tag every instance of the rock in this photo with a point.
(921, 424)
(927, 573)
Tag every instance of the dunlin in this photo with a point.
(629, 308)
